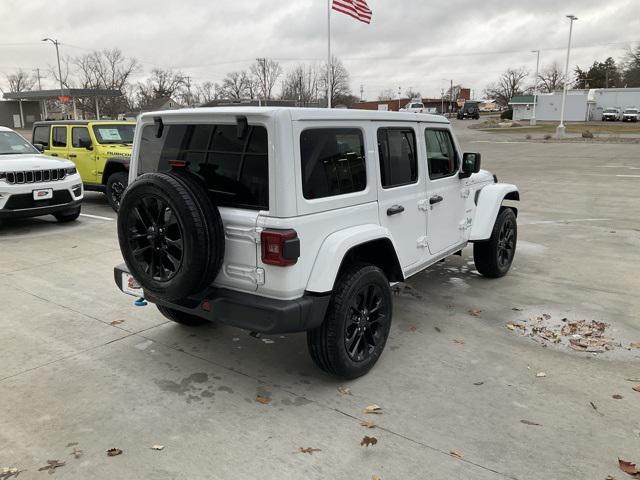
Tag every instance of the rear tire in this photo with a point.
(181, 317)
(493, 257)
(67, 216)
(116, 185)
(356, 326)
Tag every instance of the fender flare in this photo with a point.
(333, 250)
(489, 203)
(116, 162)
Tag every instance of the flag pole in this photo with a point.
(329, 53)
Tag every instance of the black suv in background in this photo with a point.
(469, 110)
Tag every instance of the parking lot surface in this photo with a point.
(462, 394)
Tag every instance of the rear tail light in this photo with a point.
(280, 247)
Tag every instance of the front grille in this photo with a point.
(25, 200)
(35, 176)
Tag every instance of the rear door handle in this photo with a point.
(53, 154)
(435, 199)
(394, 209)
(72, 155)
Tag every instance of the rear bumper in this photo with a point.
(248, 311)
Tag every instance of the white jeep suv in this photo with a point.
(32, 184)
(284, 220)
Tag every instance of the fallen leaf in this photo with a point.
(77, 453)
(51, 466)
(628, 467)
(309, 450)
(157, 447)
(541, 374)
(460, 342)
(455, 454)
(617, 396)
(366, 441)
(344, 390)
(375, 477)
(529, 422)
(632, 379)
(546, 316)
(474, 312)
(511, 326)
(373, 409)
(368, 424)
(516, 309)
(636, 388)
(8, 472)
(413, 328)
(635, 344)
(112, 452)
(437, 329)
(263, 400)
(116, 322)
(72, 444)
(610, 477)
(477, 384)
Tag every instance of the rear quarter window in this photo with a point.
(235, 170)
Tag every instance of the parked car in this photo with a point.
(101, 151)
(631, 115)
(289, 220)
(32, 184)
(469, 110)
(611, 114)
(415, 106)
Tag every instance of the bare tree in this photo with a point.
(206, 92)
(162, 83)
(339, 87)
(20, 81)
(550, 79)
(265, 72)
(302, 84)
(509, 84)
(236, 85)
(411, 94)
(386, 94)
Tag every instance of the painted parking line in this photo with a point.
(555, 222)
(632, 176)
(97, 217)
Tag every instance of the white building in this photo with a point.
(580, 105)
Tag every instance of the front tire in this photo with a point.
(181, 317)
(116, 185)
(493, 257)
(67, 216)
(356, 326)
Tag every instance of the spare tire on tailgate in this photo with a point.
(171, 234)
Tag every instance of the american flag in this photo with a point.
(357, 9)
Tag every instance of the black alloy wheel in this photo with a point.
(506, 243)
(363, 328)
(156, 238)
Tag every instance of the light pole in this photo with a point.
(399, 95)
(56, 43)
(535, 88)
(560, 130)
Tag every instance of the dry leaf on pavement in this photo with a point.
(157, 447)
(455, 454)
(529, 422)
(344, 390)
(116, 322)
(263, 400)
(112, 452)
(51, 466)
(366, 441)
(635, 344)
(636, 388)
(375, 477)
(72, 444)
(309, 450)
(373, 409)
(459, 342)
(437, 329)
(616, 396)
(477, 384)
(8, 472)
(475, 312)
(77, 453)
(628, 468)
(541, 374)
(516, 309)
(368, 424)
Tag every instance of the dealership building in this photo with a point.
(580, 105)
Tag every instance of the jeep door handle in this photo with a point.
(394, 209)
(53, 154)
(72, 155)
(435, 199)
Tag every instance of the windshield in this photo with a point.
(11, 143)
(417, 105)
(610, 110)
(631, 110)
(114, 133)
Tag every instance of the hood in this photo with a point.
(481, 177)
(20, 162)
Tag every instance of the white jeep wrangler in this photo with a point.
(282, 220)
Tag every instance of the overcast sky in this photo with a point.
(410, 43)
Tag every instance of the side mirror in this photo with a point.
(470, 164)
(39, 147)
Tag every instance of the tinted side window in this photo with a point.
(41, 135)
(59, 138)
(79, 134)
(332, 161)
(235, 170)
(398, 158)
(441, 155)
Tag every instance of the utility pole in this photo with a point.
(44, 101)
(263, 79)
(442, 101)
(399, 95)
(188, 82)
(56, 43)
(560, 130)
(37, 70)
(451, 98)
(361, 93)
(535, 88)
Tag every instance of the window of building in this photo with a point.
(398, 157)
(332, 161)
